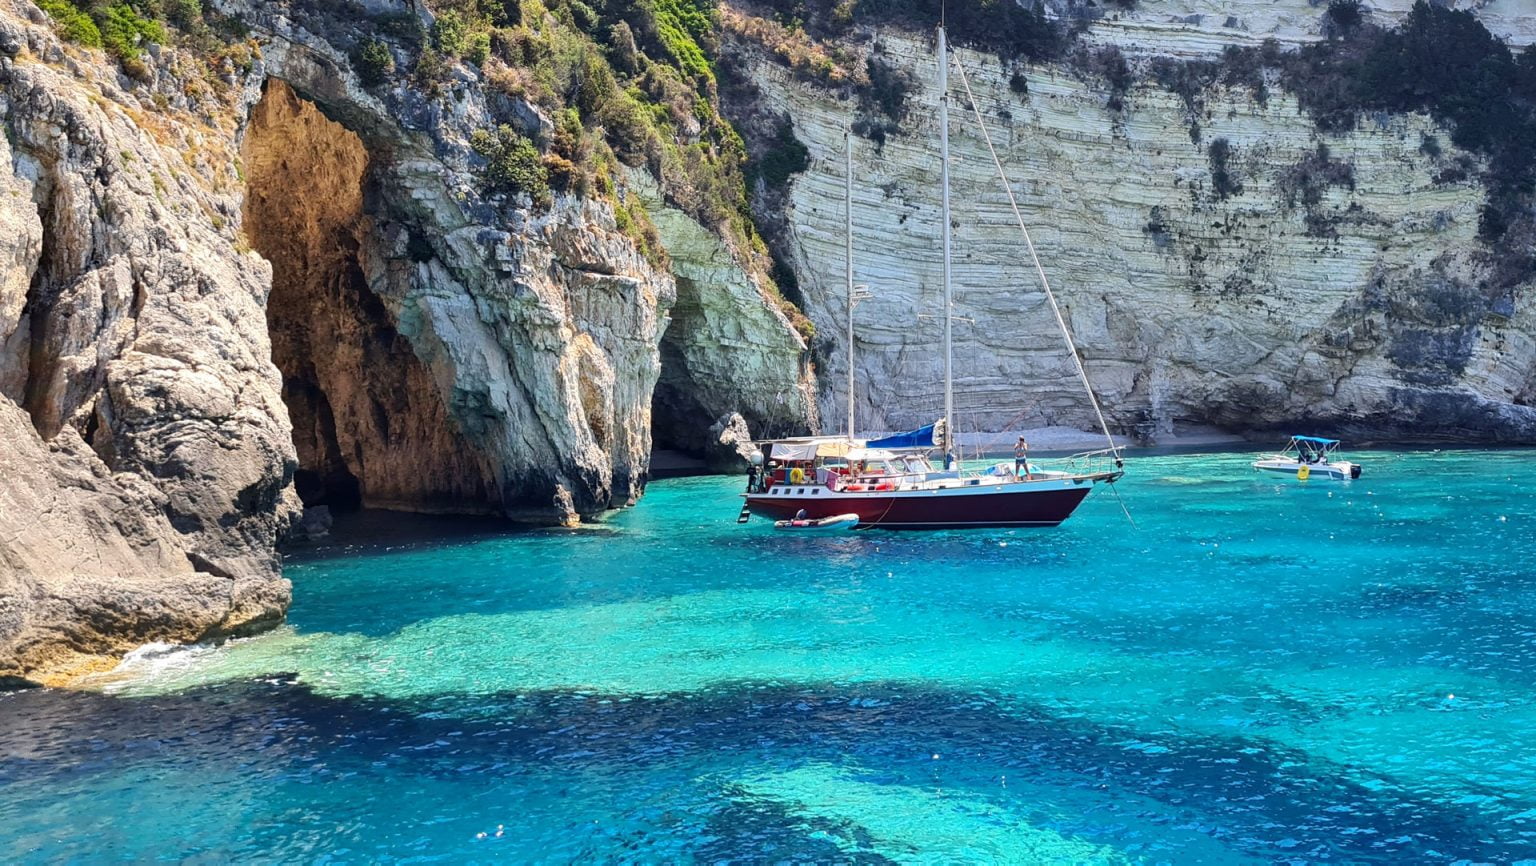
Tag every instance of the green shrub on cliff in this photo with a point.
(125, 32)
(887, 91)
(122, 28)
(73, 25)
(1224, 182)
(785, 156)
(375, 62)
(681, 25)
(648, 93)
(513, 164)
(186, 14)
(451, 33)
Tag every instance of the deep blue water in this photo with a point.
(1264, 670)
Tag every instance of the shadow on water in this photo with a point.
(1253, 797)
(377, 531)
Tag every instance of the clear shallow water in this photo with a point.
(1262, 671)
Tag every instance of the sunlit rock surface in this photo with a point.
(1205, 27)
(1360, 308)
(220, 300)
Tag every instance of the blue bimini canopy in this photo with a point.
(1316, 440)
(922, 437)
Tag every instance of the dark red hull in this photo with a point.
(964, 508)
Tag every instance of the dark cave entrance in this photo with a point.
(303, 205)
(369, 425)
(680, 420)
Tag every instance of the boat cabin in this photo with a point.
(837, 464)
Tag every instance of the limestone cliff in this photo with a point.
(1201, 27)
(234, 277)
(146, 453)
(1325, 280)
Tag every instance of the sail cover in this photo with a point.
(922, 437)
(810, 449)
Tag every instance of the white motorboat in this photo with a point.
(1307, 457)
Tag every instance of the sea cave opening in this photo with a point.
(680, 421)
(303, 204)
(369, 425)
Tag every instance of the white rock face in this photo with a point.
(1192, 28)
(1359, 312)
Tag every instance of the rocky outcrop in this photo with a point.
(1333, 281)
(730, 448)
(414, 342)
(441, 353)
(146, 460)
(729, 349)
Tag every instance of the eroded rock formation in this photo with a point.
(436, 349)
(146, 469)
(725, 352)
(370, 426)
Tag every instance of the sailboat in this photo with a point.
(893, 483)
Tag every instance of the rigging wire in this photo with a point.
(1126, 511)
(1066, 333)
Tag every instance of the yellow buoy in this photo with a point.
(1303, 472)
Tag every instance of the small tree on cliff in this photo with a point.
(513, 164)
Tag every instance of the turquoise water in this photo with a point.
(1264, 670)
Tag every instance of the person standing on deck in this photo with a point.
(1021, 458)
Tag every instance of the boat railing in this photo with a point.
(1105, 461)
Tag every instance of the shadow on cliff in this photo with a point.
(369, 425)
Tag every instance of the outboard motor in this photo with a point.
(1354, 471)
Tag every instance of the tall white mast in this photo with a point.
(949, 361)
(848, 252)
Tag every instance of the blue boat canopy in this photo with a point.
(922, 437)
(1316, 440)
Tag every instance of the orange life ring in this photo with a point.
(854, 487)
(885, 486)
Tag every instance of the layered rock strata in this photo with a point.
(1330, 281)
(147, 464)
(1193, 28)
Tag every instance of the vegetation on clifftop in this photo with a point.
(1437, 61)
(623, 84)
(122, 28)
